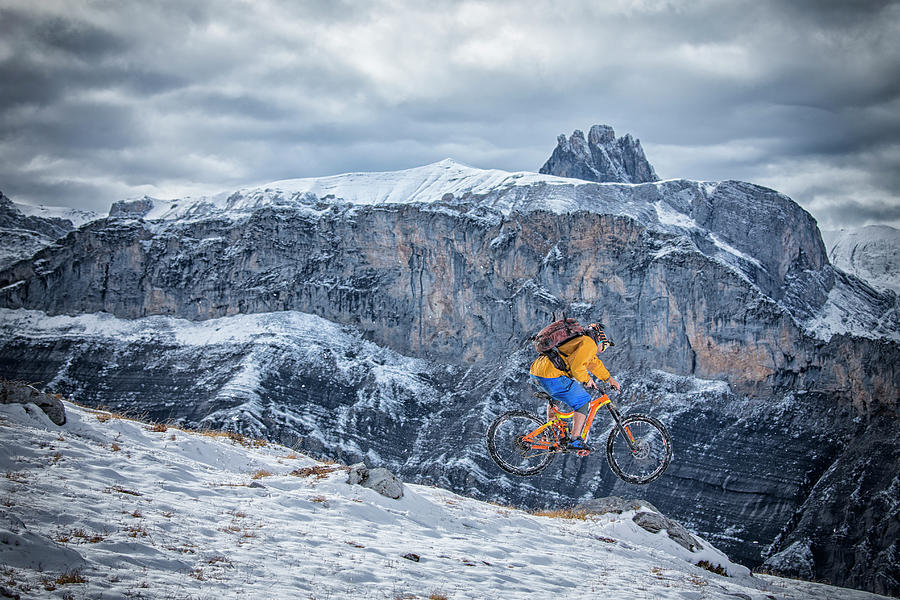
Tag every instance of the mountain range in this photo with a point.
(386, 317)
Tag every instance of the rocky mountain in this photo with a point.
(602, 157)
(26, 229)
(870, 253)
(774, 371)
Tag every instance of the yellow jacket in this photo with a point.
(580, 355)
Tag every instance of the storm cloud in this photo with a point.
(105, 100)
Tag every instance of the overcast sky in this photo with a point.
(110, 99)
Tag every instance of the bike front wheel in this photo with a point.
(647, 457)
(509, 449)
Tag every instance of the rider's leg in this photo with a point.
(577, 424)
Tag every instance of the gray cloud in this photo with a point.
(171, 98)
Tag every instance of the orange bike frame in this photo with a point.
(556, 425)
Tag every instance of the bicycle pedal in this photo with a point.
(582, 453)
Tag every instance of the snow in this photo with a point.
(847, 312)
(78, 217)
(871, 253)
(127, 510)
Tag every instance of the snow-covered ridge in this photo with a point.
(871, 253)
(173, 513)
(78, 217)
(446, 181)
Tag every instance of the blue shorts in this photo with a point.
(564, 389)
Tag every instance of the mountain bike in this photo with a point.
(638, 448)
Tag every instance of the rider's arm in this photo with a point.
(596, 366)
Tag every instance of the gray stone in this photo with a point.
(794, 561)
(16, 392)
(655, 522)
(379, 479)
(357, 474)
(613, 504)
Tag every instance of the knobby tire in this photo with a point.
(505, 446)
(655, 450)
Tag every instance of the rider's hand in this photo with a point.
(591, 384)
(614, 384)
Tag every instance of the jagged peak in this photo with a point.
(601, 157)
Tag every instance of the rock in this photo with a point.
(655, 522)
(613, 504)
(794, 561)
(601, 158)
(379, 479)
(16, 392)
(134, 209)
(357, 474)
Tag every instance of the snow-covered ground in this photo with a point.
(113, 508)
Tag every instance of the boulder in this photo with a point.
(655, 522)
(379, 479)
(613, 504)
(17, 392)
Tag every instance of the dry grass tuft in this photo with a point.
(235, 437)
(17, 476)
(320, 471)
(562, 513)
(70, 577)
(78, 535)
(717, 569)
(136, 531)
(158, 428)
(261, 473)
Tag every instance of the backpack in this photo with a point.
(550, 338)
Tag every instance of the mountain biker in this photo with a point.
(580, 356)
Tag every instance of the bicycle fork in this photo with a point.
(617, 419)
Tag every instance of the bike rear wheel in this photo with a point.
(651, 455)
(508, 449)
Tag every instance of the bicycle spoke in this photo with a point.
(515, 448)
(647, 457)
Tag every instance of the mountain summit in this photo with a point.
(602, 158)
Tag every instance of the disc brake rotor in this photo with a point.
(642, 450)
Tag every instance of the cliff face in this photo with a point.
(717, 296)
(22, 235)
(460, 283)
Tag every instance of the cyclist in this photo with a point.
(580, 356)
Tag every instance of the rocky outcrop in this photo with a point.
(17, 392)
(655, 522)
(602, 157)
(22, 235)
(379, 479)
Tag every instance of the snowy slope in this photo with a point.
(112, 508)
(78, 217)
(871, 253)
